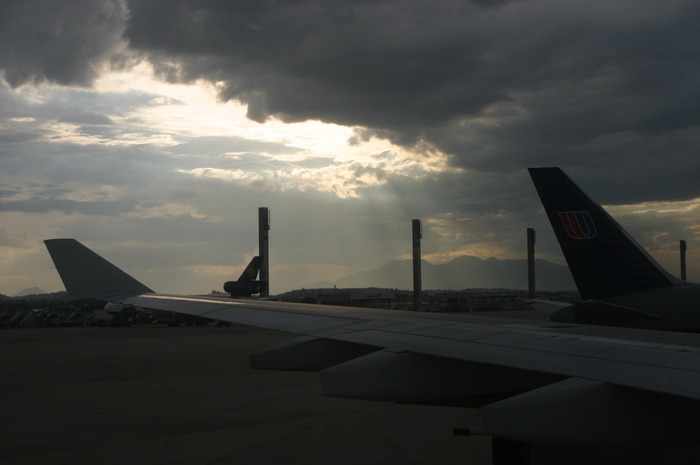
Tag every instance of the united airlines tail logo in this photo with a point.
(578, 225)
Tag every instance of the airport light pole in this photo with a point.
(417, 284)
(264, 246)
(684, 247)
(531, 263)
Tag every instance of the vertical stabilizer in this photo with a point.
(251, 271)
(604, 260)
(86, 274)
(246, 285)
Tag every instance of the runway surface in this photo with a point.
(159, 395)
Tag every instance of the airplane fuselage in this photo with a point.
(669, 308)
(678, 307)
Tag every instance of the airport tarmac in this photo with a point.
(159, 395)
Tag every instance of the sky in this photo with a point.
(153, 130)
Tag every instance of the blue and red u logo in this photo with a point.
(578, 225)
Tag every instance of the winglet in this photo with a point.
(86, 274)
(603, 258)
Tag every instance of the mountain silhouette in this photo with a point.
(463, 273)
(29, 291)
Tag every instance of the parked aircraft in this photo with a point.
(621, 284)
(247, 284)
(548, 392)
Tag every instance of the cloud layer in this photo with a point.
(495, 85)
(360, 116)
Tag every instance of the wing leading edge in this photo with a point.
(516, 371)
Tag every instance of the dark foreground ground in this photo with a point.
(159, 395)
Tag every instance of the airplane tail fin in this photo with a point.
(246, 285)
(603, 258)
(86, 274)
(251, 271)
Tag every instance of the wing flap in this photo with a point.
(656, 374)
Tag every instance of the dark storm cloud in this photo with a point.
(499, 86)
(402, 64)
(62, 41)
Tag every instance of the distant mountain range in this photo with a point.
(463, 273)
(29, 291)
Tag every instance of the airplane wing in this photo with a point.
(566, 350)
(545, 385)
